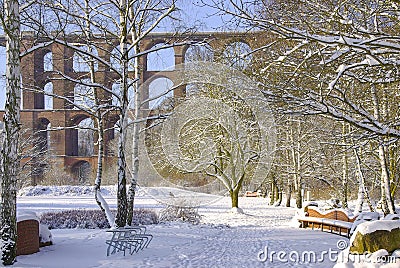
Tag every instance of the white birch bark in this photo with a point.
(9, 154)
(386, 198)
(99, 121)
(122, 205)
(138, 14)
(135, 137)
(345, 168)
(362, 190)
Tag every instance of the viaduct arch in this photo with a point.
(38, 69)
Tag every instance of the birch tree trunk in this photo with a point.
(288, 193)
(122, 203)
(9, 154)
(296, 158)
(272, 200)
(99, 121)
(345, 174)
(362, 190)
(386, 198)
(139, 14)
(135, 138)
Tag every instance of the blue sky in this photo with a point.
(204, 16)
(193, 13)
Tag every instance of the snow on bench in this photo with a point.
(337, 221)
(252, 194)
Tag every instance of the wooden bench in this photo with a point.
(252, 194)
(128, 238)
(333, 220)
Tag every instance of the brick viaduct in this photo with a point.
(64, 142)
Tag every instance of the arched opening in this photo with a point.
(160, 93)
(44, 135)
(48, 62)
(116, 89)
(161, 59)
(81, 172)
(238, 55)
(86, 137)
(199, 52)
(112, 146)
(110, 135)
(80, 137)
(42, 145)
(48, 98)
(84, 95)
(2, 77)
(116, 56)
(81, 61)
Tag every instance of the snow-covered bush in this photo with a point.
(91, 219)
(68, 190)
(85, 219)
(144, 216)
(180, 211)
(45, 236)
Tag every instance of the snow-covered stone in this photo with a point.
(364, 217)
(376, 235)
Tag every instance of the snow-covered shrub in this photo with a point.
(91, 219)
(86, 219)
(45, 236)
(142, 216)
(67, 190)
(180, 211)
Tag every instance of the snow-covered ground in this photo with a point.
(223, 239)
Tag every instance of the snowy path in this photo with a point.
(210, 244)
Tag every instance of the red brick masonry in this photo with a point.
(28, 237)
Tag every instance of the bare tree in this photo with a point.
(336, 55)
(114, 29)
(218, 132)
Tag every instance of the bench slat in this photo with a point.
(333, 221)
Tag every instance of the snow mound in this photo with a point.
(27, 215)
(396, 253)
(67, 190)
(370, 227)
(364, 217)
(237, 210)
(45, 235)
(392, 217)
